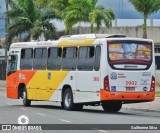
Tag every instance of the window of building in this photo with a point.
(69, 58)
(54, 58)
(86, 58)
(157, 50)
(40, 58)
(26, 59)
(157, 60)
(97, 58)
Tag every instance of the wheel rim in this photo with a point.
(24, 95)
(67, 100)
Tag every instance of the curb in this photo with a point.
(143, 109)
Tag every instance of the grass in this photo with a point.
(158, 91)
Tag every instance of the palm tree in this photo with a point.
(57, 5)
(87, 11)
(146, 7)
(42, 3)
(27, 18)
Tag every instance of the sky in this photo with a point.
(125, 10)
(2, 20)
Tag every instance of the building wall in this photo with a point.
(153, 32)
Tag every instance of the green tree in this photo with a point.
(42, 3)
(87, 11)
(57, 5)
(146, 7)
(27, 18)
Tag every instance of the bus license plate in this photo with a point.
(130, 88)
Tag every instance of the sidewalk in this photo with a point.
(153, 106)
(2, 85)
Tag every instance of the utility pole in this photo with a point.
(6, 32)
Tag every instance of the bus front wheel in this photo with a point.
(26, 102)
(112, 106)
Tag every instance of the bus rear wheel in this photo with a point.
(26, 102)
(112, 106)
(68, 100)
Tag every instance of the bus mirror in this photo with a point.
(9, 58)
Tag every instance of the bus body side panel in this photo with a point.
(88, 84)
(68, 81)
(12, 85)
(17, 78)
(45, 84)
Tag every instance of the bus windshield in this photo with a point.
(130, 52)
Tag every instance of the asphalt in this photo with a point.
(153, 106)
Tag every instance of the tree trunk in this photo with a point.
(92, 29)
(30, 36)
(145, 26)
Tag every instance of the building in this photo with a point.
(2, 18)
(2, 64)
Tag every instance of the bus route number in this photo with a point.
(131, 82)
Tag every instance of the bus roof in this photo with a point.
(90, 36)
(70, 40)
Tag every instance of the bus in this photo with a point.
(81, 70)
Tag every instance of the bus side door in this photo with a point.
(12, 77)
(88, 74)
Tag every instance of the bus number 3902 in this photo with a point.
(131, 82)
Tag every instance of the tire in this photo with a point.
(26, 102)
(68, 100)
(62, 105)
(112, 106)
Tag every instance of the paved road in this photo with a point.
(51, 113)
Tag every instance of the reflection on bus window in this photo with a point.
(130, 51)
(13, 63)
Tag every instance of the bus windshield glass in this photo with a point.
(130, 52)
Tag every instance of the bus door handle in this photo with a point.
(71, 78)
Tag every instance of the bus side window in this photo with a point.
(12, 66)
(54, 58)
(86, 58)
(26, 59)
(69, 58)
(97, 58)
(40, 59)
